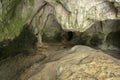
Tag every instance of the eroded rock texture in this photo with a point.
(101, 33)
(57, 63)
(74, 15)
(79, 15)
(78, 63)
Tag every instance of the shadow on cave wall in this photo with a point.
(101, 33)
(21, 44)
(113, 38)
(93, 37)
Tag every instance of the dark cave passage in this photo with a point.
(70, 36)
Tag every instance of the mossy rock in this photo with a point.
(21, 44)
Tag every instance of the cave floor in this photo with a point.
(24, 66)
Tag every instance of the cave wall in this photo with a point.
(79, 15)
(73, 15)
(102, 34)
(49, 19)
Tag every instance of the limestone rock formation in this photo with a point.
(87, 22)
(101, 33)
(79, 15)
(73, 15)
(78, 63)
(56, 63)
